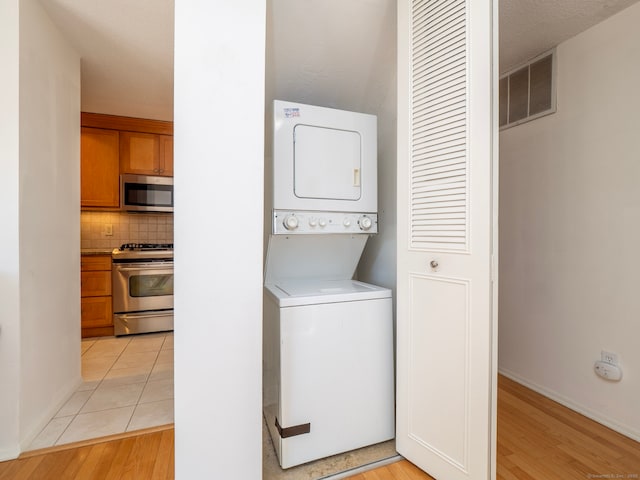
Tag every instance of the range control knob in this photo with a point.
(365, 223)
(313, 222)
(322, 222)
(346, 222)
(290, 222)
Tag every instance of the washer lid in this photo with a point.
(300, 292)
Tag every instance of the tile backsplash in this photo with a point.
(125, 228)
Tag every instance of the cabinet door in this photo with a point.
(93, 284)
(95, 262)
(139, 153)
(99, 175)
(96, 312)
(166, 155)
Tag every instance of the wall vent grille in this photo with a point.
(528, 92)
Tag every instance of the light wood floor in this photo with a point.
(538, 439)
(145, 456)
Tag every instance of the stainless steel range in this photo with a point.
(142, 288)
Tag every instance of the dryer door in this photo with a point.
(327, 163)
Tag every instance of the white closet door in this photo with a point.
(446, 237)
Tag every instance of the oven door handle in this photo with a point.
(135, 316)
(143, 268)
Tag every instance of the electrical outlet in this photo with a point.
(609, 357)
(108, 229)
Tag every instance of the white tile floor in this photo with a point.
(128, 385)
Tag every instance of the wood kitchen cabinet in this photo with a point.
(99, 168)
(166, 154)
(146, 154)
(95, 286)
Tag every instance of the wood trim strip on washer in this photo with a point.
(293, 431)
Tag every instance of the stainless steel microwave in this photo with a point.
(146, 193)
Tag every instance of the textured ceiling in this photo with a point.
(332, 52)
(529, 27)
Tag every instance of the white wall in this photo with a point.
(378, 262)
(570, 230)
(40, 245)
(49, 219)
(9, 240)
(219, 151)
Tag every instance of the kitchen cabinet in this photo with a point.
(96, 305)
(166, 154)
(99, 168)
(146, 154)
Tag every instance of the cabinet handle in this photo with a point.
(155, 170)
(162, 170)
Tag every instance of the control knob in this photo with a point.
(365, 223)
(322, 222)
(290, 222)
(346, 222)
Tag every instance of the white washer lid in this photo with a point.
(313, 292)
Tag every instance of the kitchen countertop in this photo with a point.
(96, 251)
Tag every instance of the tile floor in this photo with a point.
(128, 385)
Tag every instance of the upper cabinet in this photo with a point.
(166, 155)
(113, 145)
(146, 154)
(99, 168)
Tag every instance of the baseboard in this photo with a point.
(576, 407)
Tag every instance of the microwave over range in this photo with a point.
(146, 193)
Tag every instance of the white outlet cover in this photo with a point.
(608, 371)
(609, 357)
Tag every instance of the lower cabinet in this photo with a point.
(95, 285)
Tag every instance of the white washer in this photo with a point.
(328, 367)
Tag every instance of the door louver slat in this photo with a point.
(439, 160)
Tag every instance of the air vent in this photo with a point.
(528, 92)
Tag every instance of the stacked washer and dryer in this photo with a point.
(328, 339)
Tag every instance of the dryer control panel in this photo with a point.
(287, 222)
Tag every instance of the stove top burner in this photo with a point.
(143, 252)
(137, 247)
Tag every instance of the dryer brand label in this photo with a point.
(291, 112)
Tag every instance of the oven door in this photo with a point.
(142, 286)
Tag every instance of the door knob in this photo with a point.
(433, 264)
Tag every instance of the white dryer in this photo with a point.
(324, 159)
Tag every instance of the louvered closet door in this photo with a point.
(446, 180)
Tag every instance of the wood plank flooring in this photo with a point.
(538, 439)
(139, 456)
